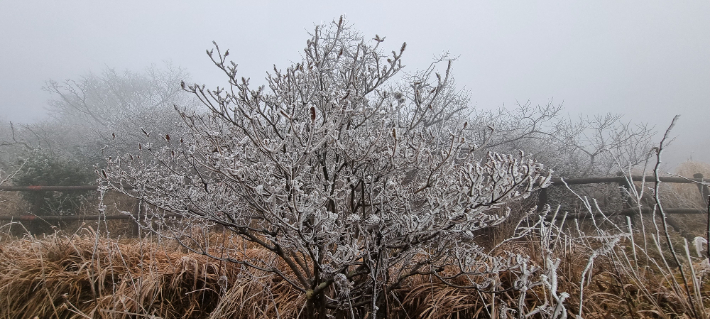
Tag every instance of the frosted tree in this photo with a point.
(331, 177)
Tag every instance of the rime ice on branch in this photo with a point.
(347, 183)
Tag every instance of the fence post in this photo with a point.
(707, 239)
(703, 189)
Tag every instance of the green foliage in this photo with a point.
(47, 170)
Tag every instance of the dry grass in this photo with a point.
(80, 276)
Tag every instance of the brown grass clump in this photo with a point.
(433, 300)
(264, 296)
(85, 277)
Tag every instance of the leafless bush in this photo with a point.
(352, 185)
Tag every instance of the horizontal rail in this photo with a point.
(688, 211)
(622, 179)
(625, 212)
(43, 188)
(73, 217)
(635, 211)
(39, 188)
(556, 181)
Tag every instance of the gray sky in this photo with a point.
(646, 59)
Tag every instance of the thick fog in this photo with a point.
(648, 60)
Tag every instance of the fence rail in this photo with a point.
(42, 188)
(556, 181)
(623, 181)
(625, 184)
(63, 218)
(697, 178)
(73, 217)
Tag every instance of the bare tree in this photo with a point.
(345, 184)
(112, 107)
(11, 143)
(588, 146)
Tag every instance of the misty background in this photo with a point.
(647, 60)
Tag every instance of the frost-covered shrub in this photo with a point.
(353, 183)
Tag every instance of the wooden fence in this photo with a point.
(623, 182)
